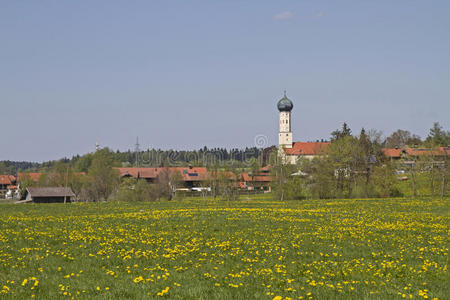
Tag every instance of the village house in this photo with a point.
(258, 181)
(6, 182)
(306, 150)
(189, 176)
(25, 176)
(398, 153)
(12, 192)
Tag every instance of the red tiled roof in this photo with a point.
(437, 152)
(266, 168)
(187, 173)
(392, 152)
(34, 176)
(191, 173)
(12, 187)
(396, 153)
(245, 177)
(7, 179)
(307, 148)
(256, 178)
(138, 172)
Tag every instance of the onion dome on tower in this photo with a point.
(285, 104)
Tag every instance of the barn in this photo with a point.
(49, 195)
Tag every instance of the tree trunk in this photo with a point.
(432, 180)
(413, 174)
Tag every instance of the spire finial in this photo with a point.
(284, 93)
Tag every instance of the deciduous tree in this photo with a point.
(102, 179)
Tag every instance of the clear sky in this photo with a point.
(184, 74)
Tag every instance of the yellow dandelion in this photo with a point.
(164, 291)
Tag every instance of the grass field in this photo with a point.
(335, 249)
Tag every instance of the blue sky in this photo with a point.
(184, 74)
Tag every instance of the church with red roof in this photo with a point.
(289, 150)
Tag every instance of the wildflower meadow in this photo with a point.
(315, 249)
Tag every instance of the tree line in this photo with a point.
(149, 158)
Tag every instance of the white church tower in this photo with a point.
(285, 135)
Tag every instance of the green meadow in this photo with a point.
(247, 249)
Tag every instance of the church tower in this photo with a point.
(285, 135)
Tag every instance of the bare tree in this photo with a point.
(228, 185)
(175, 182)
(398, 139)
(375, 136)
(162, 186)
(255, 166)
(213, 179)
(445, 170)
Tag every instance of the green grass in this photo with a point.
(265, 196)
(318, 249)
(424, 188)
